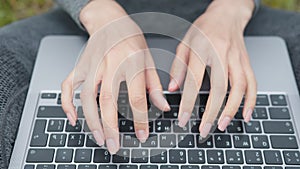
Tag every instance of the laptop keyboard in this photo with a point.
(267, 142)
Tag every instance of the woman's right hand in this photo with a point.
(116, 51)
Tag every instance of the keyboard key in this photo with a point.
(272, 167)
(158, 156)
(173, 113)
(90, 141)
(169, 167)
(167, 140)
(253, 157)
(51, 111)
(162, 126)
(201, 112)
(130, 140)
(260, 113)
(223, 141)
(173, 99)
(262, 100)
(215, 157)
(83, 155)
(40, 155)
(259, 141)
(39, 140)
(29, 167)
(45, 166)
(196, 156)
(128, 167)
(64, 156)
(155, 113)
(178, 129)
(76, 128)
(239, 114)
(186, 141)
(148, 167)
(253, 127)
(101, 156)
(107, 166)
(291, 157)
(151, 141)
(251, 167)
(66, 166)
(273, 157)
(284, 142)
(231, 167)
(278, 100)
(279, 113)
(39, 126)
(234, 157)
(122, 156)
(57, 140)
(189, 167)
(177, 156)
(56, 125)
(126, 126)
(203, 99)
(278, 127)
(123, 111)
(123, 99)
(87, 167)
(241, 141)
(48, 96)
(59, 99)
(235, 127)
(139, 156)
(210, 167)
(195, 126)
(76, 140)
(204, 143)
(80, 113)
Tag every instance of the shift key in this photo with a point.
(278, 127)
(40, 155)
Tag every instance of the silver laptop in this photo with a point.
(46, 140)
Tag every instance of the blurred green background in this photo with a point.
(12, 10)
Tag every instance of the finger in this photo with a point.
(108, 105)
(153, 84)
(179, 67)
(67, 91)
(251, 90)
(218, 91)
(193, 81)
(135, 79)
(238, 87)
(88, 96)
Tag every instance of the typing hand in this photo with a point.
(216, 40)
(116, 51)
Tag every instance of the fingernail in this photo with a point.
(98, 137)
(183, 119)
(248, 115)
(71, 119)
(141, 135)
(224, 123)
(172, 85)
(206, 130)
(111, 146)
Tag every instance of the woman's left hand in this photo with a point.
(216, 40)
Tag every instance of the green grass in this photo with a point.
(12, 10)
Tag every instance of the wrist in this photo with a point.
(98, 13)
(240, 11)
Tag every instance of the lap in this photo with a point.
(19, 44)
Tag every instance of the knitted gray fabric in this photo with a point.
(19, 44)
(73, 7)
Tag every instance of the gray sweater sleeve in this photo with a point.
(73, 8)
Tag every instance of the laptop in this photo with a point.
(46, 140)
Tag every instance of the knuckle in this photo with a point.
(106, 96)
